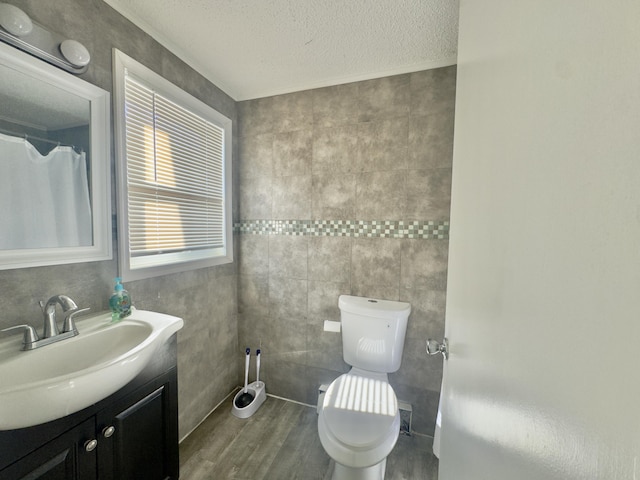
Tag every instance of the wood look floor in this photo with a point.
(280, 442)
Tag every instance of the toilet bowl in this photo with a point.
(358, 424)
(358, 417)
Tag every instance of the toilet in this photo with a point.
(359, 421)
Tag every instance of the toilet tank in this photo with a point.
(373, 332)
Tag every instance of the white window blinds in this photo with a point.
(175, 180)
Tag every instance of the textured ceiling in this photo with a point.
(258, 48)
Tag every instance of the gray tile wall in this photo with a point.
(206, 299)
(374, 150)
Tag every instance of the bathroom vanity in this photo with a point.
(131, 434)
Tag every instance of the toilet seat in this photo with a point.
(359, 410)
(359, 420)
(357, 429)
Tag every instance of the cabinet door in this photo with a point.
(64, 458)
(143, 443)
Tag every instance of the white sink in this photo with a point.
(50, 382)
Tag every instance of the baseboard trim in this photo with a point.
(210, 412)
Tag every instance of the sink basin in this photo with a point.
(56, 380)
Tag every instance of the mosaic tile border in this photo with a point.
(437, 230)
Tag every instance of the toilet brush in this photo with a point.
(258, 366)
(246, 398)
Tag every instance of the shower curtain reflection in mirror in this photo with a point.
(44, 199)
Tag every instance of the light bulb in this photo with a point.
(75, 53)
(14, 20)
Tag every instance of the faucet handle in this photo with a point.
(69, 320)
(30, 334)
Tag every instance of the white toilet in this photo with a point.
(358, 420)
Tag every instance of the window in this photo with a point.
(174, 176)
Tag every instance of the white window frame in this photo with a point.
(162, 263)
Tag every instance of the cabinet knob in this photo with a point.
(90, 445)
(108, 431)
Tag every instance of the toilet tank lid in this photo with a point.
(372, 306)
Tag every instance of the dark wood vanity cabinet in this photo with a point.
(63, 458)
(131, 435)
(139, 436)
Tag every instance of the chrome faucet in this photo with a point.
(50, 331)
(49, 309)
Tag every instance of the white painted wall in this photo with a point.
(543, 302)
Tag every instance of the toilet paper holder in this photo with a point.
(434, 347)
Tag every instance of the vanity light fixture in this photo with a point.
(75, 53)
(17, 29)
(14, 20)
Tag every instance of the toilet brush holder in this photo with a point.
(259, 392)
(247, 401)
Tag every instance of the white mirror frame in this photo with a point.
(100, 132)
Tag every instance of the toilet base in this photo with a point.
(375, 472)
(259, 392)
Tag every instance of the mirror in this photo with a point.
(55, 159)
